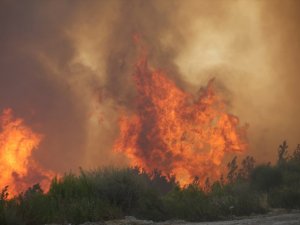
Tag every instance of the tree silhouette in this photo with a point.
(232, 170)
(282, 153)
(296, 154)
(247, 167)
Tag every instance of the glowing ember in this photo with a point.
(17, 142)
(176, 132)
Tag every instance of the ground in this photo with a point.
(273, 218)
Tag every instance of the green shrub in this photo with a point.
(266, 177)
(112, 193)
(151, 206)
(188, 203)
(285, 197)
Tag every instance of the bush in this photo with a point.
(188, 203)
(151, 207)
(285, 197)
(266, 177)
(112, 193)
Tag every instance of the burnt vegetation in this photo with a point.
(112, 193)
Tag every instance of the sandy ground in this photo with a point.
(283, 219)
(292, 218)
(274, 218)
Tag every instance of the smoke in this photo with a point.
(252, 47)
(66, 67)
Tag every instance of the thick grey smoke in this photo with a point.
(65, 67)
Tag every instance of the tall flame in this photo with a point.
(18, 169)
(176, 132)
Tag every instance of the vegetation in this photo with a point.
(112, 193)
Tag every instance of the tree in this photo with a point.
(282, 153)
(247, 167)
(232, 168)
(296, 154)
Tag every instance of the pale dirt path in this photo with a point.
(268, 219)
(283, 219)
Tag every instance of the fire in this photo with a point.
(17, 143)
(177, 132)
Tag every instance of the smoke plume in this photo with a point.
(66, 67)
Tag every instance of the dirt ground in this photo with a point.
(274, 218)
(283, 219)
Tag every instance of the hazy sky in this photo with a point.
(65, 67)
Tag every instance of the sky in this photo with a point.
(65, 67)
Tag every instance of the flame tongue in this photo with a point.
(176, 133)
(18, 169)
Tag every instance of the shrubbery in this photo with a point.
(112, 193)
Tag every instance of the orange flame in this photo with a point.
(176, 132)
(18, 169)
